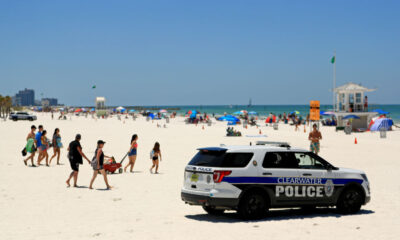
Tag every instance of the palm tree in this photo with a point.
(1, 105)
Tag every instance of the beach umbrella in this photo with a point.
(151, 115)
(93, 110)
(192, 113)
(351, 117)
(83, 109)
(132, 110)
(380, 111)
(229, 118)
(326, 113)
(381, 124)
(163, 111)
(237, 113)
(78, 110)
(253, 113)
(295, 112)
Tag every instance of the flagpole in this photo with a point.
(334, 82)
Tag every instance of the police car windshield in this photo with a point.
(221, 159)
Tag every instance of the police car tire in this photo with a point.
(212, 211)
(253, 205)
(350, 201)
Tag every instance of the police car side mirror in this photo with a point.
(329, 168)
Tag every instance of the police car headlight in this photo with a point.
(364, 176)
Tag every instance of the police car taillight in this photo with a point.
(219, 175)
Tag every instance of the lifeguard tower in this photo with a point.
(101, 109)
(351, 99)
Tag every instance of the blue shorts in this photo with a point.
(133, 152)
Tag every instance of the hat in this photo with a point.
(100, 142)
(78, 136)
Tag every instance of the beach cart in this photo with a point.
(111, 166)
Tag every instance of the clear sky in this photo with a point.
(198, 52)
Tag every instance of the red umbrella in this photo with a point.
(78, 110)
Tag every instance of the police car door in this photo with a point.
(279, 171)
(316, 176)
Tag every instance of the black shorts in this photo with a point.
(74, 166)
(155, 158)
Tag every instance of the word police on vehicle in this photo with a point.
(253, 179)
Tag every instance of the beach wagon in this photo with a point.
(253, 179)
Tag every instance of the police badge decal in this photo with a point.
(329, 188)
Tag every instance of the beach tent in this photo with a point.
(229, 118)
(380, 111)
(151, 115)
(381, 124)
(351, 116)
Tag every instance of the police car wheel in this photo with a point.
(253, 206)
(213, 210)
(350, 201)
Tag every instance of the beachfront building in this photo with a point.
(351, 99)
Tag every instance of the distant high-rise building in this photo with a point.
(25, 98)
(50, 101)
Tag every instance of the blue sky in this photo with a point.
(198, 52)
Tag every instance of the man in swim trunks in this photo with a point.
(75, 155)
(30, 145)
(38, 143)
(314, 137)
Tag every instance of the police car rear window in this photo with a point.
(221, 159)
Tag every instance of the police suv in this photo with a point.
(252, 179)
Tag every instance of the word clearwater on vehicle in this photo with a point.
(252, 179)
(22, 116)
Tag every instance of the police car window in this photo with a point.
(233, 160)
(307, 161)
(280, 160)
(221, 159)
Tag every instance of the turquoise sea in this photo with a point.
(263, 110)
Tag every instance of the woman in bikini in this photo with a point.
(44, 147)
(98, 164)
(30, 145)
(132, 153)
(56, 145)
(155, 155)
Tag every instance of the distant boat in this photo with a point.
(249, 103)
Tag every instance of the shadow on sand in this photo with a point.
(276, 215)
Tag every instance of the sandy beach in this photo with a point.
(36, 204)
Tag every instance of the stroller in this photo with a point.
(111, 166)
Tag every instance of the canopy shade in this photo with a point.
(351, 117)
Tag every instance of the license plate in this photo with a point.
(194, 177)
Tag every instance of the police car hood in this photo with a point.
(350, 170)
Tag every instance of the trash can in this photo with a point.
(167, 120)
(275, 126)
(347, 130)
(383, 133)
(209, 123)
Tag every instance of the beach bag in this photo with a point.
(151, 154)
(23, 152)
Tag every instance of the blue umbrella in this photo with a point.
(229, 118)
(382, 124)
(380, 111)
(253, 113)
(237, 113)
(351, 117)
(132, 110)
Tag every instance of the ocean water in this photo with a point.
(264, 110)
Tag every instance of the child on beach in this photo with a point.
(97, 164)
(30, 145)
(132, 153)
(56, 141)
(154, 155)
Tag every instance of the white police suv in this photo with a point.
(252, 179)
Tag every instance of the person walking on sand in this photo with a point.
(315, 136)
(75, 155)
(30, 146)
(97, 164)
(56, 141)
(132, 153)
(154, 155)
(38, 143)
(44, 147)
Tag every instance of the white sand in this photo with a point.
(35, 203)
